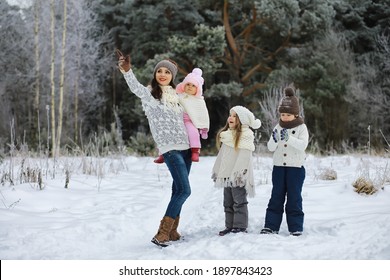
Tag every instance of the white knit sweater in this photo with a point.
(166, 122)
(195, 107)
(292, 152)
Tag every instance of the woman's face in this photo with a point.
(233, 120)
(163, 76)
(190, 88)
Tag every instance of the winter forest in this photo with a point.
(77, 178)
(62, 93)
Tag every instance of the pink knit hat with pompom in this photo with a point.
(195, 78)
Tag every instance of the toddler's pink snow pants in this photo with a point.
(192, 131)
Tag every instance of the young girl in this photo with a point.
(165, 116)
(288, 141)
(233, 168)
(196, 116)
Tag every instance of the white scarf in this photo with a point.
(233, 168)
(246, 139)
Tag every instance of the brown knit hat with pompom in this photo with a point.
(289, 103)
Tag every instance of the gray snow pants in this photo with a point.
(236, 207)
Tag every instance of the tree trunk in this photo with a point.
(62, 79)
(233, 53)
(53, 97)
(76, 93)
(36, 124)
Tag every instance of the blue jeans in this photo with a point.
(287, 183)
(179, 165)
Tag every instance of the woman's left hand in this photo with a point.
(123, 61)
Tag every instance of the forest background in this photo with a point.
(61, 92)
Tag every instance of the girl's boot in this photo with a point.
(160, 159)
(195, 154)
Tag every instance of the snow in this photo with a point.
(20, 3)
(113, 216)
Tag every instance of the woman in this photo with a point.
(165, 115)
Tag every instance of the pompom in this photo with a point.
(197, 71)
(289, 91)
(256, 124)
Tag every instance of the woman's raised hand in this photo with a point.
(123, 61)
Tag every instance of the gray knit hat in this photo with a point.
(289, 103)
(167, 64)
(246, 117)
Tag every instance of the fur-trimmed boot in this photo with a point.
(162, 236)
(160, 159)
(174, 235)
(195, 154)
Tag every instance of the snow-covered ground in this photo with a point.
(114, 216)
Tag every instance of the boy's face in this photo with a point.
(190, 88)
(287, 117)
(233, 120)
(163, 76)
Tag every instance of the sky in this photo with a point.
(113, 216)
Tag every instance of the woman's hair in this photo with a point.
(236, 134)
(156, 89)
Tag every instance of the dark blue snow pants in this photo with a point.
(287, 182)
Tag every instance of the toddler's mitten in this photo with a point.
(204, 133)
(284, 134)
(275, 135)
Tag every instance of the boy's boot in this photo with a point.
(195, 154)
(174, 235)
(160, 159)
(162, 236)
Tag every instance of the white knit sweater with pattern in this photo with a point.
(290, 153)
(166, 123)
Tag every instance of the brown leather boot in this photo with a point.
(162, 236)
(159, 160)
(174, 235)
(195, 154)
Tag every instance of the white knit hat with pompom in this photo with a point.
(246, 117)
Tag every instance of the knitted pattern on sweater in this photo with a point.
(290, 153)
(165, 116)
(246, 139)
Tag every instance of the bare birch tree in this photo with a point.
(62, 78)
(35, 123)
(52, 81)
